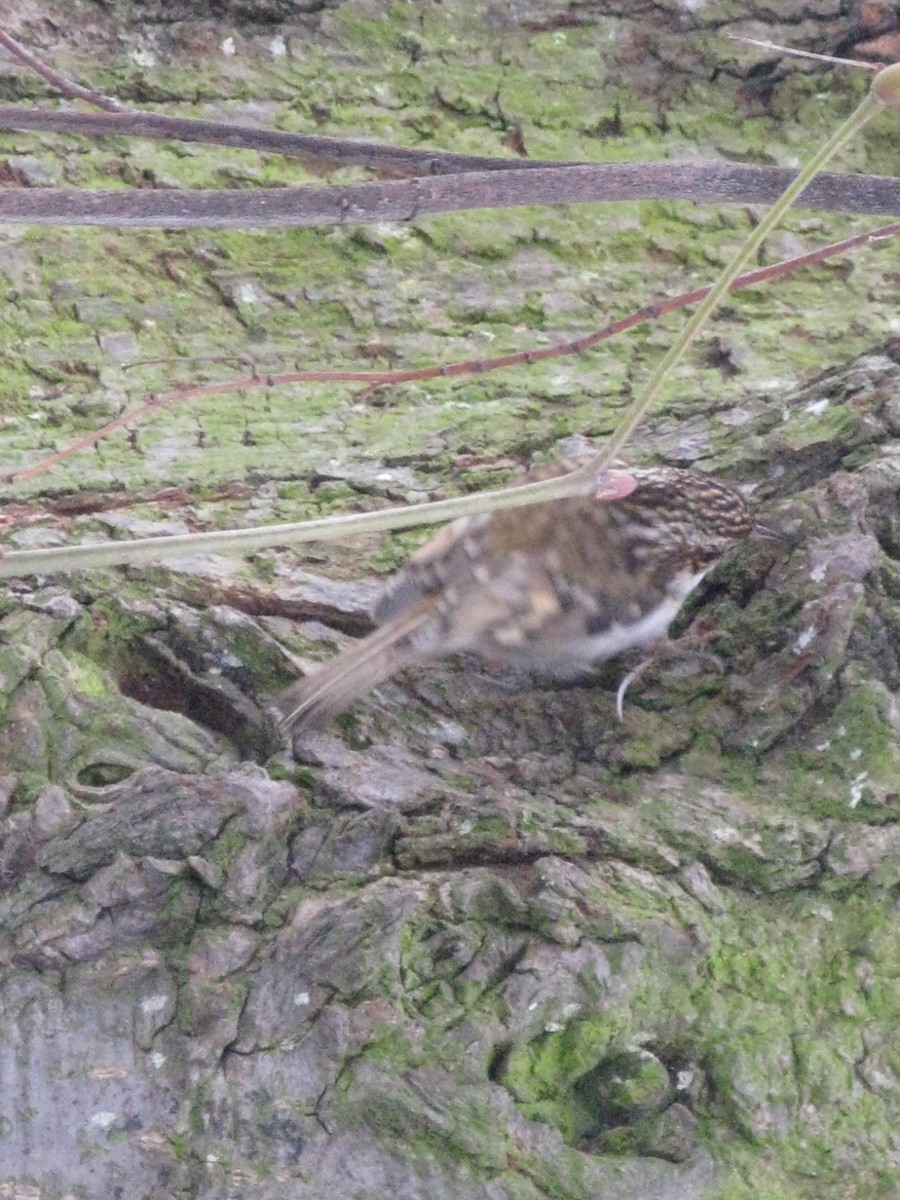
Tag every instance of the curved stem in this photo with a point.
(579, 482)
(707, 306)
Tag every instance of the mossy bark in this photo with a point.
(486, 941)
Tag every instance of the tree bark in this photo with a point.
(485, 941)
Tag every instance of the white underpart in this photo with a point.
(650, 628)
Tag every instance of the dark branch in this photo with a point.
(67, 86)
(403, 200)
(323, 151)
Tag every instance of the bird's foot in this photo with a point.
(689, 643)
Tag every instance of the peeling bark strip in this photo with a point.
(404, 200)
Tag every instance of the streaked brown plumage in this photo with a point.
(555, 586)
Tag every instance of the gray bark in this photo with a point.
(486, 942)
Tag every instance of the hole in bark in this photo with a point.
(104, 774)
(498, 1062)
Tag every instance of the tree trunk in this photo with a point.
(486, 942)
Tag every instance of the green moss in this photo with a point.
(848, 767)
(392, 1046)
(776, 1019)
(581, 1079)
(773, 1000)
(179, 1146)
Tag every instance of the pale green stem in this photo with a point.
(885, 89)
(707, 306)
(235, 541)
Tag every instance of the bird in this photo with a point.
(553, 587)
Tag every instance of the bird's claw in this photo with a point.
(693, 643)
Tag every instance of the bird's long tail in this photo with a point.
(317, 698)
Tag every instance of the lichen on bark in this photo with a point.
(485, 941)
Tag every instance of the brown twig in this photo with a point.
(62, 83)
(465, 367)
